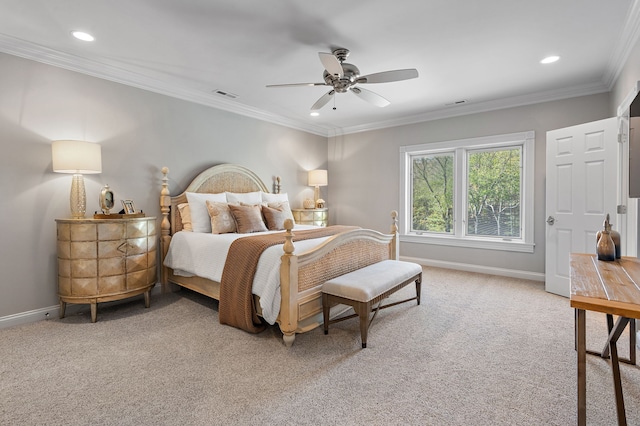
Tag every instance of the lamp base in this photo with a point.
(78, 199)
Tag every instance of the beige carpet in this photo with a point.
(480, 350)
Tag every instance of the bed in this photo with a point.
(293, 271)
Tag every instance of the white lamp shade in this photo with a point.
(76, 157)
(318, 178)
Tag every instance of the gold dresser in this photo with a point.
(318, 217)
(101, 260)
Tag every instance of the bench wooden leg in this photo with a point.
(363, 309)
(325, 312)
(418, 287)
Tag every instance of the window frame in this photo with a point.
(461, 148)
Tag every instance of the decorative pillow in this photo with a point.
(248, 218)
(284, 206)
(244, 197)
(185, 215)
(200, 220)
(275, 217)
(274, 198)
(222, 220)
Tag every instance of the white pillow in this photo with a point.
(274, 198)
(200, 220)
(244, 197)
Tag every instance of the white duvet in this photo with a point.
(204, 255)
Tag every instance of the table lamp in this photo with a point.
(317, 178)
(77, 157)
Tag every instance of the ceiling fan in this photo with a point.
(344, 77)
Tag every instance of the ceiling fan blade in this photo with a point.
(323, 100)
(331, 63)
(389, 76)
(297, 84)
(370, 97)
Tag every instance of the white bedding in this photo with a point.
(204, 255)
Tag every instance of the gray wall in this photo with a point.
(366, 167)
(139, 132)
(142, 131)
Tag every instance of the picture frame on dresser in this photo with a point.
(128, 206)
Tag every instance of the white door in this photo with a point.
(581, 188)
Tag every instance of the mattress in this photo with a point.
(204, 255)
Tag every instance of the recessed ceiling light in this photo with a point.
(314, 114)
(550, 59)
(81, 35)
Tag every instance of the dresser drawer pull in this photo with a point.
(120, 247)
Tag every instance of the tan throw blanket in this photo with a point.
(237, 306)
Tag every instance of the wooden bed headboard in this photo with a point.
(214, 180)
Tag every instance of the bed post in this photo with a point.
(165, 226)
(394, 248)
(288, 288)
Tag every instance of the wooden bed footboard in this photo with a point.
(302, 275)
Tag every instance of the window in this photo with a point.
(472, 192)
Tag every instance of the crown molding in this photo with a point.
(39, 53)
(493, 105)
(628, 39)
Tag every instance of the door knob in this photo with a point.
(551, 220)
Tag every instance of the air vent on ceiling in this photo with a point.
(456, 103)
(225, 94)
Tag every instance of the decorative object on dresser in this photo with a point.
(128, 207)
(101, 260)
(317, 217)
(77, 157)
(287, 284)
(106, 200)
(317, 178)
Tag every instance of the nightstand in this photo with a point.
(318, 217)
(101, 260)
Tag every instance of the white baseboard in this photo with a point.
(489, 270)
(54, 311)
(30, 316)
(49, 312)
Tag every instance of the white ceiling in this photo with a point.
(484, 52)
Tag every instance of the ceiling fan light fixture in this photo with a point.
(81, 35)
(314, 113)
(342, 78)
(550, 59)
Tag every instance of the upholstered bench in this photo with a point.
(363, 288)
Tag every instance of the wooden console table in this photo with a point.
(612, 288)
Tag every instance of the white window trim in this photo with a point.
(525, 244)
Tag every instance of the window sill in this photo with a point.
(477, 243)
